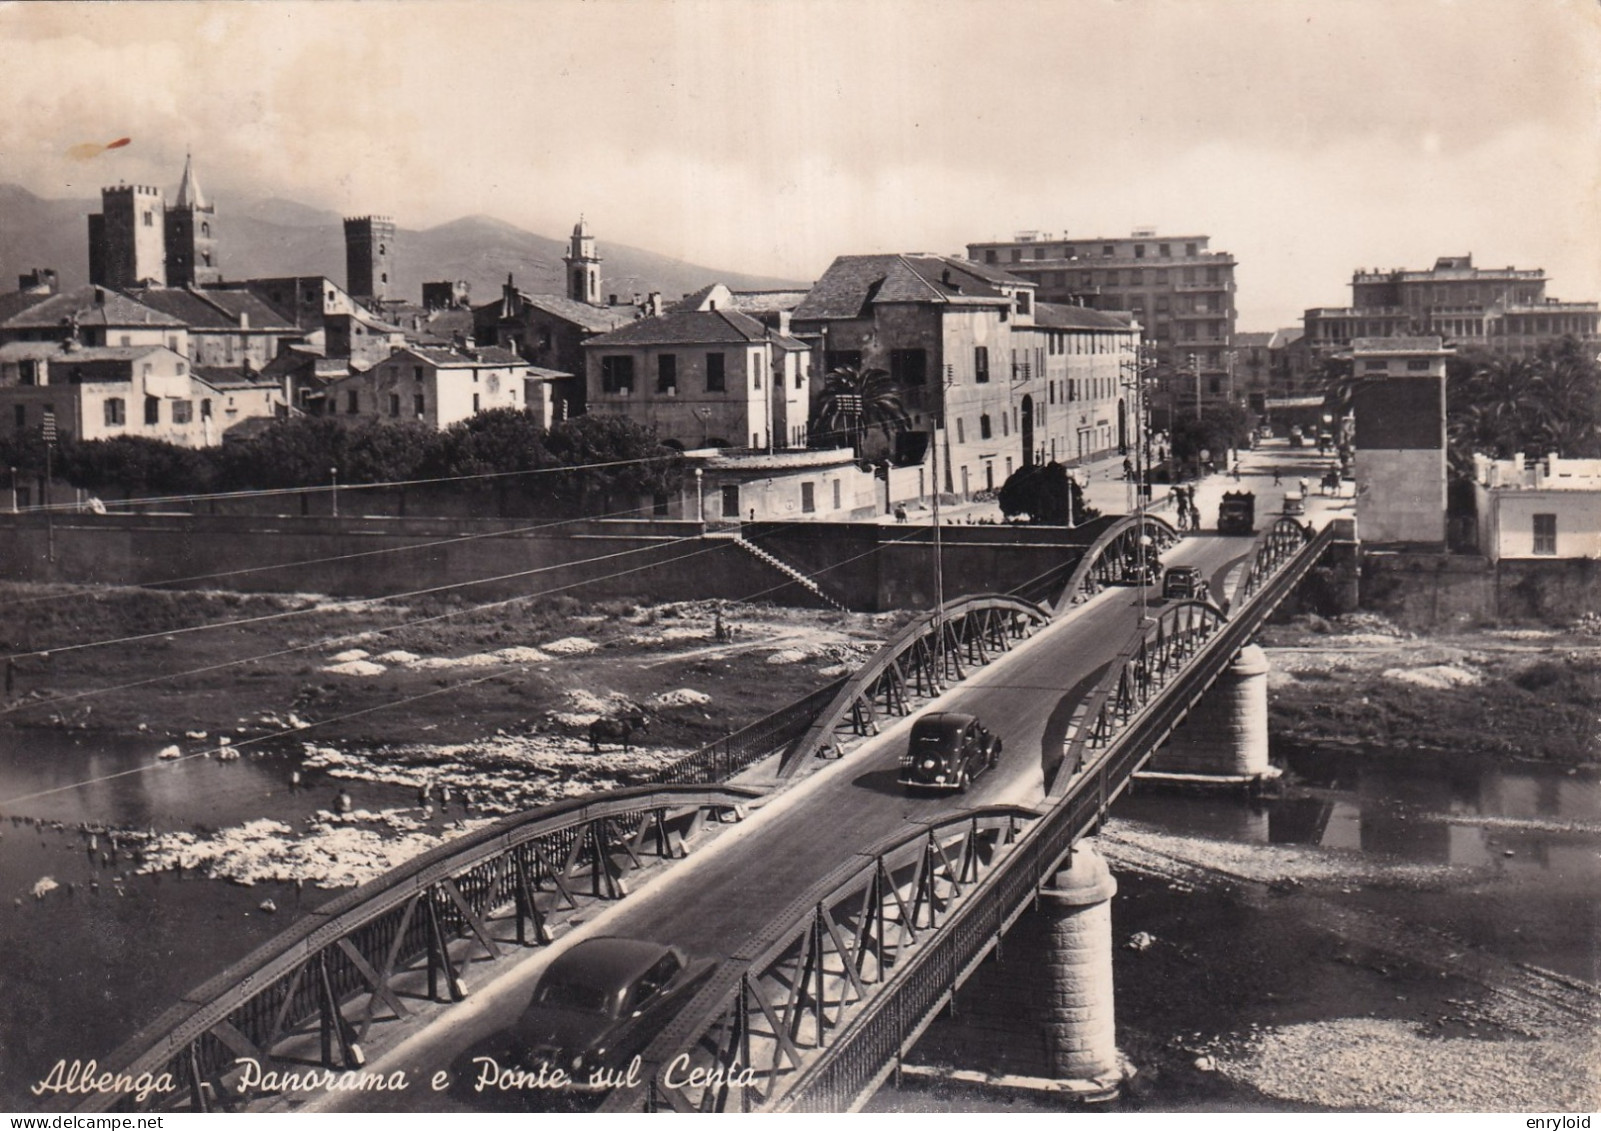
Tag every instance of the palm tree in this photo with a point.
(855, 400)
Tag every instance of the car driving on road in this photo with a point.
(946, 751)
(1184, 583)
(599, 1003)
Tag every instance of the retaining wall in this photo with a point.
(1428, 590)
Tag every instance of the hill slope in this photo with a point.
(282, 237)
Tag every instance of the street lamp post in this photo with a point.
(334, 473)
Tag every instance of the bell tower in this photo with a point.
(191, 235)
(583, 266)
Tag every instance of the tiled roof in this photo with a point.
(1064, 317)
(598, 318)
(16, 302)
(483, 357)
(211, 309)
(686, 327)
(111, 309)
(232, 377)
(853, 282)
(764, 302)
(1254, 340)
(1286, 337)
(236, 302)
(52, 351)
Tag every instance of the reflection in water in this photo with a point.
(1524, 817)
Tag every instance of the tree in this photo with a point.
(855, 400)
(1047, 494)
(620, 458)
(1499, 405)
(297, 452)
(136, 465)
(1222, 427)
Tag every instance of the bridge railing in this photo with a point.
(720, 760)
(406, 926)
(922, 659)
(821, 1008)
(1139, 673)
(1274, 546)
(1103, 562)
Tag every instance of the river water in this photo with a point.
(107, 950)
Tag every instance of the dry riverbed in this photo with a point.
(1358, 681)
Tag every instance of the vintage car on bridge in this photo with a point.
(947, 750)
(1185, 583)
(598, 1004)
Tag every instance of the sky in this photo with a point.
(1307, 137)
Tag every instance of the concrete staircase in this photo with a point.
(787, 570)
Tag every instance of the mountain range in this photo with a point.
(272, 237)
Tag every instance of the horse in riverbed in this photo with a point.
(616, 731)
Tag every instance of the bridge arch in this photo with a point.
(357, 945)
(921, 659)
(1104, 559)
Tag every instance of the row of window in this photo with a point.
(617, 373)
(183, 412)
(1414, 364)
(1073, 251)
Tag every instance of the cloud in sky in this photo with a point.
(1308, 137)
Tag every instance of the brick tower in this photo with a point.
(127, 238)
(369, 258)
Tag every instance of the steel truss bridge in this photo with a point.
(819, 1007)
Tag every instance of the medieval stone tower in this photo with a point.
(127, 238)
(583, 266)
(191, 235)
(369, 258)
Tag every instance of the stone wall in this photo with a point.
(1423, 591)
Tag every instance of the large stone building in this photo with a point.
(1178, 289)
(439, 387)
(992, 380)
(1501, 309)
(712, 378)
(101, 392)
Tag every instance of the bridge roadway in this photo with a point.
(715, 901)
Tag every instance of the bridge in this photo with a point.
(841, 914)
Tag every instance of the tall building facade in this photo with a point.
(369, 258)
(583, 266)
(1400, 461)
(1498, 308)
(191, 235)
(1177, 288)
(127, 238)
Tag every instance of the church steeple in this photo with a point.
(191, 234)
(583, 266)
(189, 195)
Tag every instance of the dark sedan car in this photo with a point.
(600, 1003)
(1185, 583)
(947, 751)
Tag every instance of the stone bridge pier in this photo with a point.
(1223, 739)
(1079, 1018)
